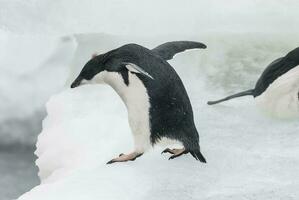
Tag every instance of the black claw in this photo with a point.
(171, 157)
(110, 162)
(167, 150)
(138, 155)
(177, 155)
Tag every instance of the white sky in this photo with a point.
(156, 17)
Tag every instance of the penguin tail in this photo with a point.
(197, 155)
(240, 94)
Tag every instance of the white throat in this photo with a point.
(136, 99)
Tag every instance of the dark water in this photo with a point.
(18, 173)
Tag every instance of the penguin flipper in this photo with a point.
(240, 94)
(169, 49)
(136, 69)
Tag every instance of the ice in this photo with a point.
(249, 155)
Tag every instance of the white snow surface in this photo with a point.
(249, 155)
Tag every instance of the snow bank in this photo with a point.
(249, 156)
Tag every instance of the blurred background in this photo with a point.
(43, 44)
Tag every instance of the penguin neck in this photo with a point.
(114, 80)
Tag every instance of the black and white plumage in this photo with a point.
(276, 91)
(156, 99)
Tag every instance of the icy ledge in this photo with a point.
(249, 156)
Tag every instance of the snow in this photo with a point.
(249, 155)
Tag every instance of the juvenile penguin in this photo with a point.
(276, 91)
(157, 102)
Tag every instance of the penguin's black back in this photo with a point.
(170, 111)
(276, 69)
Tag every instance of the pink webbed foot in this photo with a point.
(125, 157)
(175, 152)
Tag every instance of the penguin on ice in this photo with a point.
(156, 99)
(277, 90)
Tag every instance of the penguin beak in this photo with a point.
(76, 82)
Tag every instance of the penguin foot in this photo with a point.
(176, 152)
(125, 157)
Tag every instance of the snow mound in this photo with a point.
(249, 156)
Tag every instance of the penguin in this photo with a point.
(156, 100)
(277, 89)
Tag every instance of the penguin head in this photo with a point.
(109, 62)
(93, 67)
(294, 55)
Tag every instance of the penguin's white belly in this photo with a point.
(136, 99)
(280, 99)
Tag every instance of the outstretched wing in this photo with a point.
(169, 49)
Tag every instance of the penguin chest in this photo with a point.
(135, 96)
(281, 99)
